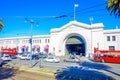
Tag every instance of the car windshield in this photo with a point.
(6, 56)
(50, 57)
(72, 57)
(24, 55)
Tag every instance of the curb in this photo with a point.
(43, 71)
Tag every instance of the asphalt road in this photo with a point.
(41, 63)
(110, 69)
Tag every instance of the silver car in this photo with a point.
(52, 59)
(72, 59)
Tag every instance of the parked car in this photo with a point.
(19, 55)
(1, 61)
(52, 59)
(6, 58)
(35, 56)
(27, 56)
(24, 56)
(13, 57)
(42, 55)
(72, 59)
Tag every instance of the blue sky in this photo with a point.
(14, 13)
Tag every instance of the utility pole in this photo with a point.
(91, 20)
(31, 36)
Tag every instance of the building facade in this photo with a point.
(72, 38)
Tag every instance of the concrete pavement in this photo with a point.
(85, 63)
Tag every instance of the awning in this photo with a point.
(46, 47)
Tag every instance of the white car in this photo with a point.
(28, 56)
(18, 55)
(6, 58)
(52, 59)
(24, 56)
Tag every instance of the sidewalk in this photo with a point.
(44, 71)
(13, 72)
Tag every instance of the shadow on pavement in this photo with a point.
(6, 73)
(80, 73)
(95, 65)
(99, 67)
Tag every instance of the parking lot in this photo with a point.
(41, 63)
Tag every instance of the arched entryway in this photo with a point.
(75, 44)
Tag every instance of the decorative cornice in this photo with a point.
(112, 31)
(24, 37)
(79, 24)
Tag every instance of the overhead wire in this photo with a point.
(89, 11)
(91, 7)
(78, 12)
(85, 10)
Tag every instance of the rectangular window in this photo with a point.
(111, 47)
(40, 40)
(113, 38)
(33, 41)
(37, 41)
(48, 40)
(108, 38)
(45, 40)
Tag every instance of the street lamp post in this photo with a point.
(31, 33)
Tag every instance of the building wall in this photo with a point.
(86, 32)
(93, 36)
(59, 36)
(97, 38)
(24, 41)
(111, 42)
